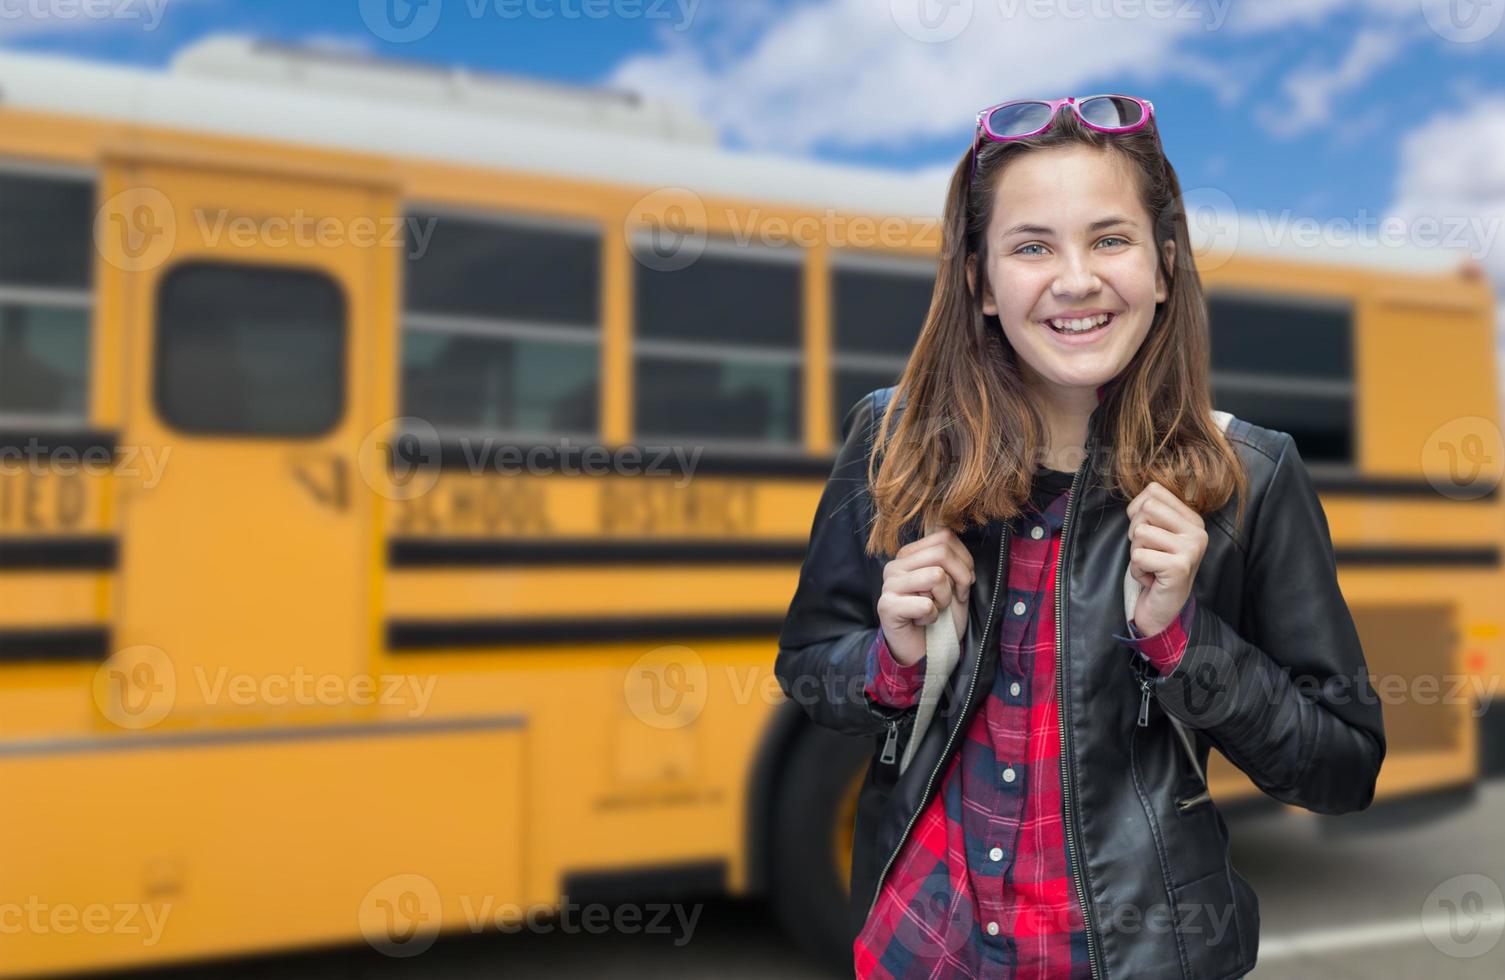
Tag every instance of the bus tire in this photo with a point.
(809, 895)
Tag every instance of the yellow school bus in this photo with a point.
(401, 495)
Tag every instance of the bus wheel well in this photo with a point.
(786, 724)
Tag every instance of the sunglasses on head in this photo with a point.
(1022, 118)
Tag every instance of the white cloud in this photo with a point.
(1452, 172)
(849, 74)
(1268, 15)
(845, 74)
(1311, 92)
(340, 43)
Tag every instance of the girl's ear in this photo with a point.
(1162, 290)
(988, 305)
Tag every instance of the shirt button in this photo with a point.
(1008, 774)
(1019, 609)
(1037, 532)
(1014, 689)
(996, 854)
(992, 928)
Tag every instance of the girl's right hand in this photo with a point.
(925, 576)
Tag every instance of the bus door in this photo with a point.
(250, 326)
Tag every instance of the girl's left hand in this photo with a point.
(1167, 540)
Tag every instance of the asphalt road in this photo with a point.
(1337, 900)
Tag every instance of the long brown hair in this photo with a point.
(969, 435)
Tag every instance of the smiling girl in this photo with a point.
(1075, 536)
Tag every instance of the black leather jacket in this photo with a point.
(1273, 676)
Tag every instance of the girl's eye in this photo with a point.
(1108, 239)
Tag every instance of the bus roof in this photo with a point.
(238, 86)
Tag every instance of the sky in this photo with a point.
(1341, 111)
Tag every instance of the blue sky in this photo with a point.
(1330, 109)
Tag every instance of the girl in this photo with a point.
(1094, 579)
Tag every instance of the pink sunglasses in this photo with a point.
(1022, 118)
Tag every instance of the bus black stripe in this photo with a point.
(482, 455)
(1486, 556)
(1343, 485)
(54, 644)
(439, 552)
(97, 442)
(98, 553)
(422, 634)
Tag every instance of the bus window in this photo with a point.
(501, 326)
(46, 245)
(1287, 363)
(878, 308)
(249, 350)
(718, 348)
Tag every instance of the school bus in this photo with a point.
(402, 492)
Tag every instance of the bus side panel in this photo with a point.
(129, 857)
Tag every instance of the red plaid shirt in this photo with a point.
(981, 887)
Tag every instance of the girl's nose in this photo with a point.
(1076, 278)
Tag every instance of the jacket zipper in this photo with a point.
(890, 744)
(1144, 695)
(1142, 675)
(1003, 547)
(1065, 718)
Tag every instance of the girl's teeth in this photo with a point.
(1077, 326)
